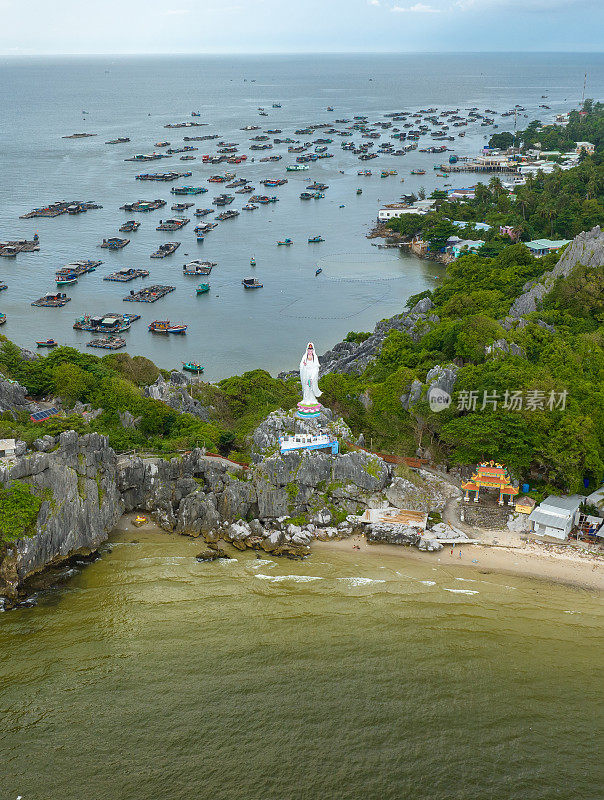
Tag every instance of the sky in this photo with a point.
(29, 27)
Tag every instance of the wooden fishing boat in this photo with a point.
(359, 191)
(192, 366)
(3, 286)
(315, 239)
(418, 171)
(251, 283)
(47, 343)
(285, 242)
(165, 326)
(318, 271)
(2, 319)
(66, 280)
(203, 288)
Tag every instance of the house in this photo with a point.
(394, 210)
(464, 246)
(462, 194)
(7, 447)
(541, 247)
(556, 516)
(587, 146)
(480, 226)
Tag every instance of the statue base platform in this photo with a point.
(308, 412)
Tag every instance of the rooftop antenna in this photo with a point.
(583, 96)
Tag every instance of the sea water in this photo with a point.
(231, 329)
(148, 675)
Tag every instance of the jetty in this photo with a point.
(60, 207)
(108, 343)
(52, 300)
(165, 250)
(9, 249)
(174, 224)
(107, 323)
(125, 275)
(149, 294)
(143, 205)
(115, 243)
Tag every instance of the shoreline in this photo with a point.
(528, 561)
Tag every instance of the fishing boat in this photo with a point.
(315, 239)
(359, 191)
(192, 366)
(296, 168)
(249, 207)
(418, 171)
(318, 271)
(165, 326)
(66, 280)
(251, 283)
(3, 286)
(252, 262)
(203, 288)
(47, 343)
(2, 319)
(199, 237)
(285, 242)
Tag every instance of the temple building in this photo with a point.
(490, 476)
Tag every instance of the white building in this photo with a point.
(7, 447)
(557, 516)
(398, 210)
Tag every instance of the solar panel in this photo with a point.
(40, 416)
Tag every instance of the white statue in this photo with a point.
(309, 377)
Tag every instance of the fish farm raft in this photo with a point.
(150, 294)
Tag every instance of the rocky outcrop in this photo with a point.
(421, 492)
(81, 504)
(13, 397)
(174, 393)
(265, 439)
(587, 248)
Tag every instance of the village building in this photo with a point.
(7, 447)
(541, 247)
(587, 146)
(557, 516)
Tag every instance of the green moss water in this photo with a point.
(148, 675)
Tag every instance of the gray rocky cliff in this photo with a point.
(78, 482)
(587, 248)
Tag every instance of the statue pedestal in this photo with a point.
(308, 411)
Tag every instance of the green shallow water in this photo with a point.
(149, 675)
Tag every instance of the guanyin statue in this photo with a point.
(309, 377)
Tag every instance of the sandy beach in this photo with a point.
(527, 559)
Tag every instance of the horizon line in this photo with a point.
(293, 53)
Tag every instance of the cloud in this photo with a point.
(373, 2)
(418, 8)
(174, 12)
